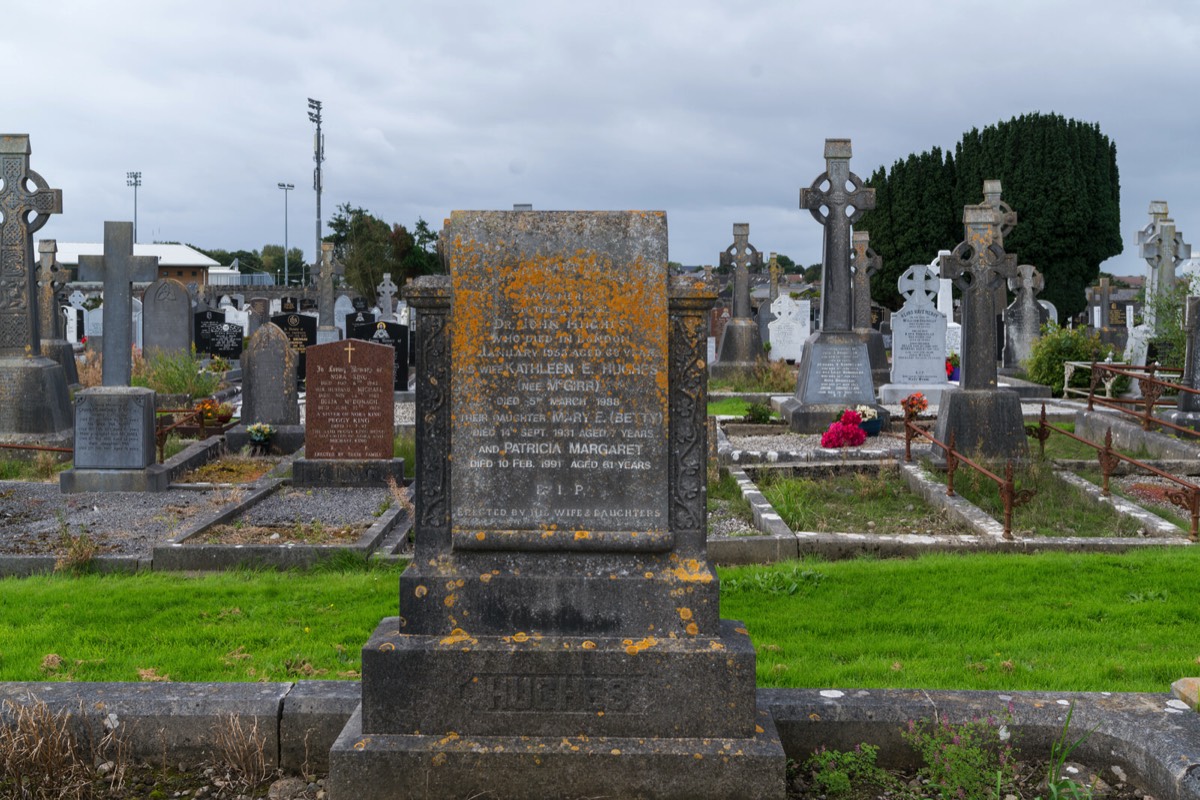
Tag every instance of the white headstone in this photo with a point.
(137, 323)
(70, 312)
(1052, 310)
(236, 316)
(1097, 317)
(341, 307)
(790, 328)
(93, 322)
(953, 339)
(918, 331)
(712, 349)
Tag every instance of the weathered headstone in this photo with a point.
(864, 262)
(395, 336)
(992, 190)
(1163, 248)
(166, 315)
(740, 346)
(54, 345)
(918, 340)
(269, 393)
(25, 374)
(1024, 318)
(985, 420)
(1187, 411)
(790, 328)
(118, 268)
(561, 432)
(301, 331)
(260, 314)
(327, 331)
(835, 372)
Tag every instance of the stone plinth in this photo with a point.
(339, 472)
(114, 442)
(835, 374)
(35, 407)
(876, 355)
(739, 349)
(986, 423)
(62, 353)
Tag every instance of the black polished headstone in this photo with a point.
(301, 332)
(395, 336)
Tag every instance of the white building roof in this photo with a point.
(169, 255)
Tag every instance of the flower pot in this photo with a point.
(954, 374)
(871, 426)
(224, 418)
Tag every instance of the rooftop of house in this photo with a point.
(169, 255)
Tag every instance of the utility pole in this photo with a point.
(134, 179)
(287, 187)
(314, 115)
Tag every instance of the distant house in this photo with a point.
(177, 261)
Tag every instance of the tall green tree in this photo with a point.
(369, 247)
(1059, 175)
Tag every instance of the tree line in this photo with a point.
(1059, 175)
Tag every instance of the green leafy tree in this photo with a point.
(1058, 174)
(369, 247)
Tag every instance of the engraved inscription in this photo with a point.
(350, 409)
(568, 694)
(561, 418)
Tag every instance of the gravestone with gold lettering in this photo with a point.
(559, 631)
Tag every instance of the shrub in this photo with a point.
(758, 413)
(176, 373)
(1060, 345)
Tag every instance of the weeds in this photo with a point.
(75, 551)
(969, 761)
(791, 579)
(47, 755)
(758, 414)
(241, 748)
(775, 377)
(1058, 786)
(174, 373)
(405, 446)
(841, 773)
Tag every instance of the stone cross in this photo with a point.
(118, 268)
(773, 269)
(845, 191)
(386, 293)
(976, 266)
(19, 334)
(1008, 217)
(48, 285)
(919, 286)
(1028, 283)
(1163, 248)
(329, 268)
(864, 263)
(741, 255)
(77, 299)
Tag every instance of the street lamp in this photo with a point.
(287, 187)
(314, 115)
(134, 179)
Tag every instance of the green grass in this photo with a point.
(1060, 447)
(41, 467)
(1053, 621)
(405, 446)
(1174, 515)
(1050, 622)
(732, 406)
(235, 626)
(841, 503)
(1058, 508)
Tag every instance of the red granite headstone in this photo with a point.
(349, 412)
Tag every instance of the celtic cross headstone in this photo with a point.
(918, 336)
(741, 342)
(386, 294)
(837, 207)
(864, 263)
(741, 255)
(328, 269)
(977, 266)
(1024, 318)
(19, 334)
(118, 268)
(1161, 244)
(48, 284)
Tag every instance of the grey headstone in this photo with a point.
(136, 323)
(386, 294)
(1163, 248)
(166, 317)
(114, 428)
(1023, 319)
(741, 342)
(342, 307)
(118, 268)
(328, 268)
(269, 379)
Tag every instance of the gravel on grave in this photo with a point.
(35, 516)
(886, 445)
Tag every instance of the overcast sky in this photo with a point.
(715, 112)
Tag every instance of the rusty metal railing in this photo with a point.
(1010, 496)
(1187, 496)
(161, 432)
(1151, 388)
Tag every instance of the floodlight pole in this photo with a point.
(134, 179)
(287, 187)
(314, 115)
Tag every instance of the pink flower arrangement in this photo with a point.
(845, 432)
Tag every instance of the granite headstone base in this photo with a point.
(986, 423)
(287, 439)
(739, 350)
(114, 442)
(561, 716)
(347, 472)
(881, 371)
(893, 393)
(35, 407)
(63, 353)
(835, 374)
(449, 766)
